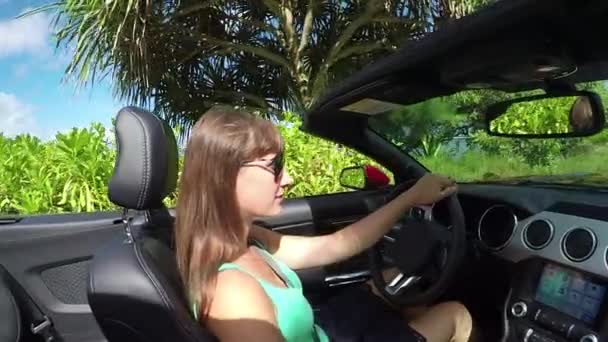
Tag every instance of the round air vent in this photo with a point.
(496, 227)
(538, 234)
(579, 244)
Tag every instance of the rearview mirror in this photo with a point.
(574, 114)
(364, 177)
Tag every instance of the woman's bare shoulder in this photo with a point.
(240, 309)
(235, 288)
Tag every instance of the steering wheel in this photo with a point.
(423, 250)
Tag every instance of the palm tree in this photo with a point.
(180, 57)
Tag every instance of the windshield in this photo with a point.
(447, 136)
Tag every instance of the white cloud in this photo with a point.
(16, 117)
(30, 35)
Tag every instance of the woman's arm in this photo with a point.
(304, 252)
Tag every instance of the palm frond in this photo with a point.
(181, 57)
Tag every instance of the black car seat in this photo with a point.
(134, 290)
(10, 324)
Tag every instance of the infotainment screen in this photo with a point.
(570, 292)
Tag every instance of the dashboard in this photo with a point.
(560, 256)
(558, 234)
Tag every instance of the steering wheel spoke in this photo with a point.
(400, 283)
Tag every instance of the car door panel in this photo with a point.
(48, 256)
(294, 212)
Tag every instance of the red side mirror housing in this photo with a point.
(374, 177)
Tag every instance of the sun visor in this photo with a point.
(369, 106)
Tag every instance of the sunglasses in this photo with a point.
(275, 167)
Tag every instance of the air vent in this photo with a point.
(579, 244)
(538, 234)
(496, 227)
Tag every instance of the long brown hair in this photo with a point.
(209, 229)
(581, 114)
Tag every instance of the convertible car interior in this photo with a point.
(529, 259)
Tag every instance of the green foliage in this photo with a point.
(70, 173)
(531, 152)
(480, 166)
(67, 174)
(315, 164)
(476, 166)
(421, 129)
(354, 177)
(544, 116)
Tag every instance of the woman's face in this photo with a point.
(260, 186)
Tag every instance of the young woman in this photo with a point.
(581, 115)
(233, 172)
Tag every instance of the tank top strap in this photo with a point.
(232, 266)
(225, 267)
(288, 276)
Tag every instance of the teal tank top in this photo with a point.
(293, 311)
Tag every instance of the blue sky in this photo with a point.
(34, 97)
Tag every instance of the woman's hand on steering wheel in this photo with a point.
(431, 188)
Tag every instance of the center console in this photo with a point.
(555, 303)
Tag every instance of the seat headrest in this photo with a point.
(145, 171)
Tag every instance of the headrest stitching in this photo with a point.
(166, 140)
(141, 196)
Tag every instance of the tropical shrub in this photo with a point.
(66, 174)
(315, 164)
(70, 172)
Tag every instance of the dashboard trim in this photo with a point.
(593, 249)
(551, 236)
(514, 228)
(517, 250)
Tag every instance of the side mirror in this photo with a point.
(568, 114)
(364, 177)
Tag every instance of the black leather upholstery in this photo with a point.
(146, 165)
(10, 320)
(135, 293)
(134, 290)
